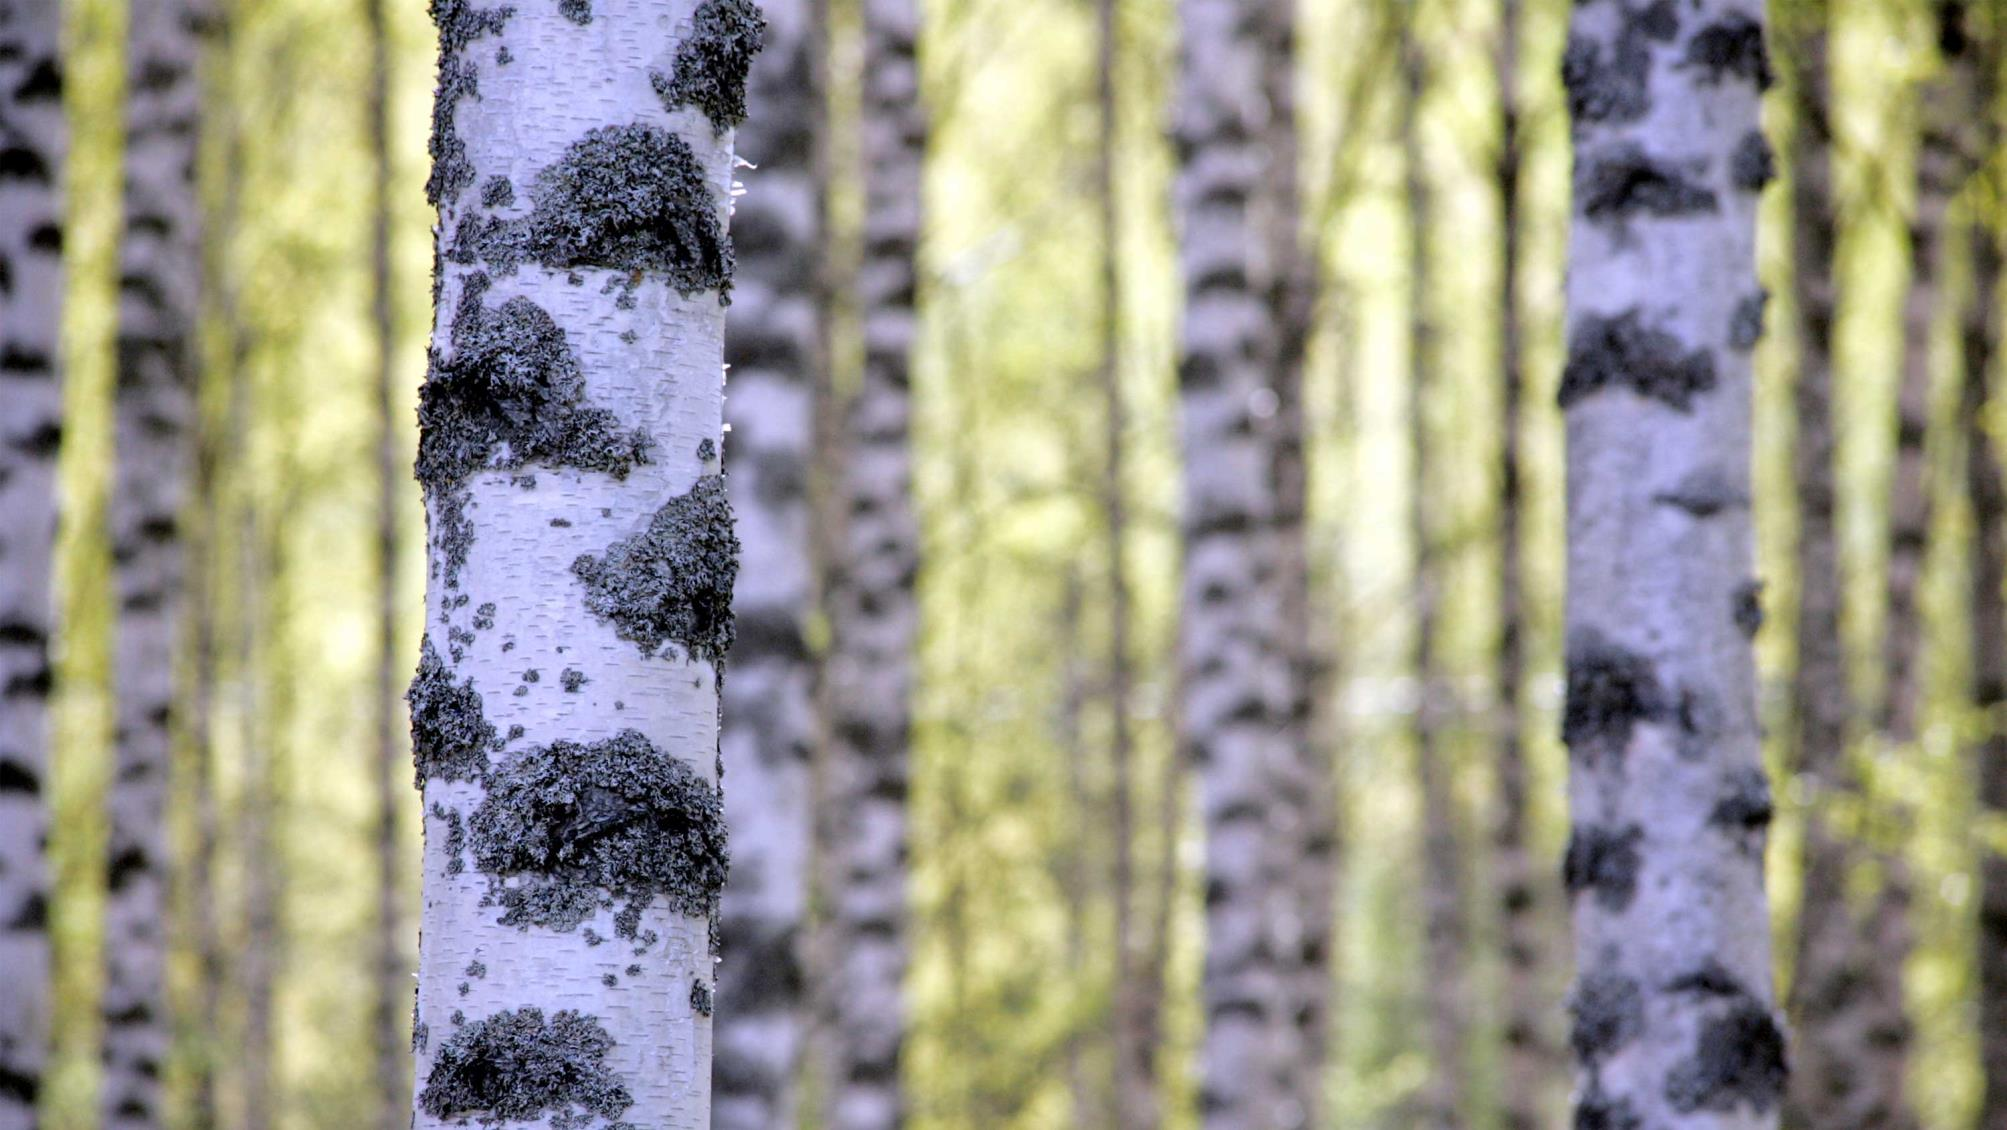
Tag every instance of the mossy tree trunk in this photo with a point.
(1242, 649)
(873, 617)
(581, 559)
(773, 344)
(1674, 1019)
(33, 148)
(154, 432)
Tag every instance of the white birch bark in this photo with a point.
(154, 432)
(33, 148)
(1674, 1018)
(873, 618)
(773, 347)
(565, 713)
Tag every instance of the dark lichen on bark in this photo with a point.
(709, 72)
(1745, 327)
(1610, 690)
(1708, 979)
(700, 996)
(456, 837)
(1747, 610)
(460, 23)
(1737, 1060)
(1731, 46)
(577, 11)
(1624, 352)
(1614, 86)
(630, 198)
(1604, 861)
(671, 583)
(1621, 181)
(1752, 165)
(572, 828)
(1608, 1011)
(1744, 809)
(1597, 1109)
(450, 733)
(516, 1066)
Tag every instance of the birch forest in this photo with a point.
(1003, 564)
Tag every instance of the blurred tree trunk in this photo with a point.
(263, 673)
(774, 347)
(581, 560)
(393, 1102)
(154, 431)
(34, 142)
(1243, 648)
(1446, 935)
(873, 617)
(1519, 887)
(1674, 1024)
(1075, 863)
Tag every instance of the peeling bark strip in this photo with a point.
(33, 145)
(153, 433)
(1667, 797)
(575, 839)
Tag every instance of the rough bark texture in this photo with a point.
(154, 431)
(1243, 652)
(33, 147)
(581, 557)
(1674, 1024)
(1520, 890)
(773, 346)
(873, 617)
(1445, 933)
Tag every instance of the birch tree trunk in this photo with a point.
(154, 432)
(33, 149)
(1674, 1022)
(581, 557)
(1242, 659)
(774, 346)
(872, 612)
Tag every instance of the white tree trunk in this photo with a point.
(154, 430)
(33, 147)
(873, 618)
(773, 346)
(565, 712)
(1674, 1018)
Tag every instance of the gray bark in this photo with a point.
(154, 432)
(33, 149)
(581, 557)
(1674, 1018)
(773, 345)
(872, 611)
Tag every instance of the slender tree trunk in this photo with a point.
(392, 971)
(774, 347)
(581, 557)
(873, 615)
(1075, 865)
(261, 670)
(154, 432)
(1674, 1022)
(1520, 888)
(1242, 645)
(33, 149)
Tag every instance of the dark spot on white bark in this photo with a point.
(1709, 979)
(577, 11)
(1605, 862)
(450, 734)
(1703, 494)
(456, 837)
(1732, 45)
(1624, 352)
(1745, 328)
(671, 583)
(711, 63)
(571, 828)
(1752, 165)
(1748, 607)
(477, 969)
(1621, 181)
(43, 83)
(515, 1066)
(497, 192)
(572, 679)
(1609, 1012)
(700, 996)
(1598, 1110)
(1610, 690)
(1744, 810)
(460, 23)
(1738, 1060)
(631, 198)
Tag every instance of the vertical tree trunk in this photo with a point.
(33, 148)
(581, 557)
(154, 431)
(1520, 889)
(774, 347)
(873, 616)
(1674, 1024)
(1446, 940)
(267, 705)
(391, 981)
(1242, 647)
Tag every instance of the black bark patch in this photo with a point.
(1622, 181)
(631, 198)
(44, 83)
(497, 192)
(18, 162)
(1703, 494)
(1610, 690)
(711, 63)
(515, 1066)
(18, 777)
(673, 581)
(1624, 352)
(512, 393)
(577, 11)
(1748, 608)
(1744, 810)
(1732, 45)
(700, 996)
(1597, 1110)
(1737, 1060)
(1745, 326)
(1605, 861)
(1613, 87)
(1709, 979)
(450, 735)
(460, 23)
(1608, 1011)
(568, 829)
(1753, 165)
